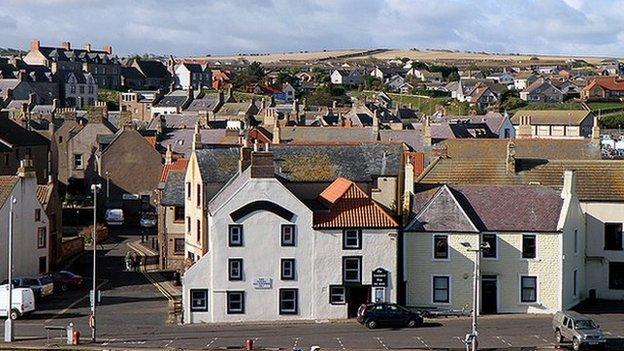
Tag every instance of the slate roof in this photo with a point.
(13, 134)
(171, 101)
(553, 117)
(350, 207)
(207, 103)
(298, 134)
(520, 208)
(181, 140)
(174, 121)
(217, 165)
(412, 138)
(581, 149)
(173, 192)
(153, 69)
(7, 182)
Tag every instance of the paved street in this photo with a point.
(133, 313)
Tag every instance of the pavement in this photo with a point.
(134, 314)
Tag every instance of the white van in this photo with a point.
(23, 301)
(114, 216)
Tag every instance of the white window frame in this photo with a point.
(345, 237)
(343, 294)
(81, 167)
(495, 258)
(537, 284)
(240, 310)
(344, 269)
(284, 232)
(239, 268)
(293, 265)
(448, 247)
(295, 301)
(450, 289)
(192, 299)
(235, 230)
(536, 258)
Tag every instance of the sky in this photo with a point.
(200, 27)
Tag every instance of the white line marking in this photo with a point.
(296, 343)
(108, 342)
(341, 344)
(382, 343)
(59, 314)
(211, 342)
(171, 342)
(422, 342)
(504, 341)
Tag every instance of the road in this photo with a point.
(133, 314)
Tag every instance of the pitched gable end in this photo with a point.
(443, 213)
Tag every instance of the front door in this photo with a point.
(488, 294)
(356, 296)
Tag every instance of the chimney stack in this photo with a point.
(35, 44)
(245, 157)
(21, 75)
(262, 165)
(197, 143)
(87, 47)
(596, 130)
(168, 155)
(26, 169)
(375, 120)
(56, 103)
(510, 163)
(569, 184)
(221, 97)
(334, 104)
(108, 49)
(427, 137)
(277, 134)
(66, 45)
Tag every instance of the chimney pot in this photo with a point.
(66, 45)
(35, 44)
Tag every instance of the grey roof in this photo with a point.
(44, 109)
(411, 137)
(217, 165)
(173, 192)
(207, 103)
(181, 140)
(175, 121)
(299, 135)
(171, 101)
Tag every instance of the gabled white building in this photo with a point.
(272, 256)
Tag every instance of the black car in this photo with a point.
(388, 314)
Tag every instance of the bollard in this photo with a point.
(248, 345)
(70, 333)
(76, 338)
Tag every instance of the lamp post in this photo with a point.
(472, 338)
(8, 325)
(95, 188)
(107, 185)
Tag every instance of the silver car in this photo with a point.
(579, 329)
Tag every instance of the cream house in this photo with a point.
(272, 255)
(536, 257)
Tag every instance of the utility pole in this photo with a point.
(472, 338)
(94, 188)
(8, 324)
(107, 186)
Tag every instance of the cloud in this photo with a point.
(232, 26)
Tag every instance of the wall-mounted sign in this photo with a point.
(263, 283)
(380, 277)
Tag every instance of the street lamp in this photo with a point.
(8, 325)
(107, 185)
(472, 337)
(95, 188)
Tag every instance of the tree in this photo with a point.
(252, 74)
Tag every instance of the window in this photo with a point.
(188, 224)
(198, 231)
(188, 190)
(6, 159)
(37, 215)
(191, 256)
(235, 237)
(178, 245)
(235, 302)
(178, 214)
(613, 236)
(235, 269)
(198, 195)
(528, 289)
(441, 289)
(440, 247)
(288, 269)
(41, 237)
(492, 241)
(616, 275)
(574, 283)
(575, 241)
(352, 269)
(528, 246)
(288, 235)
(199, 300)
(288, 301)
(351, 239)
(337, 295)
(43, 266)
(78, 161)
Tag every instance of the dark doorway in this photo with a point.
(356, 296)
(489, 294)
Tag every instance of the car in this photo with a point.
(114, 216)
(148, 220)
(65, 280)
(23, 301)
(41, 286)
(580, 329)
(387, 314)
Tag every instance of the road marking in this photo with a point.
(171, 342)
(296, 343)
(422, 342)
(341, 344)
(504, 341)
(108, 341)
(211, 342)
(608, 333)
(59, 314)
(148, 276)
(382, 343)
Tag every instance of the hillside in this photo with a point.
(11, 52)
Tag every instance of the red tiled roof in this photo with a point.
(178, 165)
(151, 140)
(351, 207)
(7, 182)
(608, 83)
(43, 193)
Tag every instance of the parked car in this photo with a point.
(148, 220)
(580, 329)
(65, 280)
(114, 216)
(23, 301)
(387, 314)
(41, 286)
